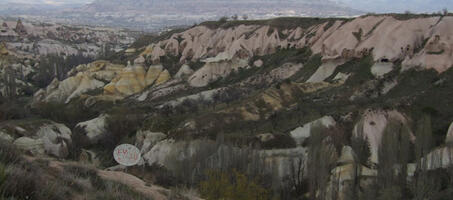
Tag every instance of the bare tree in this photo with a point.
(321, 160)
(422, 188)
(393, 157)
(295, 183)
(10, 82)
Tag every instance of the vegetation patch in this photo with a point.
(279, 23)
(309, 68)
(436, 52)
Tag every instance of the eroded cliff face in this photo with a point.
(423, 42)
(108, 82)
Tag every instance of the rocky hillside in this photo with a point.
(32, 54)
(287, 108)
(33, 39)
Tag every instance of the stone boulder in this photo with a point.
(55, 138)
(38, 137)
(6, 137)
(258, 63)
(33, 146)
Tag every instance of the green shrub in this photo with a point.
(120, 125)
(54, 66)
(436, 52)
(69, 114)
(358, 35)
(310, 67)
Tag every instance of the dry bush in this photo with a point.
(115, 191)
(231, 186)
(162, 176)
(11, 111)
(28, 180)
(9, 154)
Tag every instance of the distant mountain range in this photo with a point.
(158, 14)
(379, 6)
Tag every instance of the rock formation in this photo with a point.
(381, 36)
(93, 129)
(20, 28)
(121, 82)
(372, 126)
(39, 137)
(302, 133)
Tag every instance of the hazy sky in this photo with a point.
(365, 5)
(399, 5)
(52, 2)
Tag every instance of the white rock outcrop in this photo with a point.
(325, 70)
(379, 69)
(34, 146)
(93, 129)
(214, 70)
(145, 140)
(6, 137)
(300, 134)
(372, 126)
(55, 138)
(184, 71)
(449, 137)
